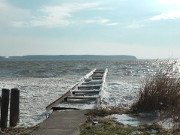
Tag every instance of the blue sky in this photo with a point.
(146, 29)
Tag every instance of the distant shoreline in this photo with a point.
(70, 57)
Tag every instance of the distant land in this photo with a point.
(2, 58)
(70, 57)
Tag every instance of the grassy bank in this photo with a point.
(18, 131)
(96, 125)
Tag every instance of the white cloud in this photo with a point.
(98, 21)
(103, 21)
(10, 14)
(136, 25)
(50, 16)
(164, 16)
(169, 2)
(112, 24)
(57, 16)
(90, 21)
(17, 24)
(106, 22)
(169, 9)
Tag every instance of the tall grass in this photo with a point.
(160, 92)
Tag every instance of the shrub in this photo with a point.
(160, 92)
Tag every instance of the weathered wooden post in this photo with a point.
(4, 108)
(14, 107)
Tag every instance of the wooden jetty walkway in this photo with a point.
(85, 95)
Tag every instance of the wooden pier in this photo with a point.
(77, 101)
(84, 95)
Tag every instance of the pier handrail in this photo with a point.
(102, 88)
(61, 98)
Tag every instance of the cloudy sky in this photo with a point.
(144, 28)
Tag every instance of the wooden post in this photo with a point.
(14, 107)
(4, 108)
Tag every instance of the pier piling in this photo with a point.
(14, 107)
(4, 108)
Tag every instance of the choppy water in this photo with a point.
(41, 82)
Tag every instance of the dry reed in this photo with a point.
(160, 92)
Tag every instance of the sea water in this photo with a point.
(42, 82)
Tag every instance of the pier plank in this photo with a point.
(83, 97)
(85, 91)
(89, 87)
(97, 78)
